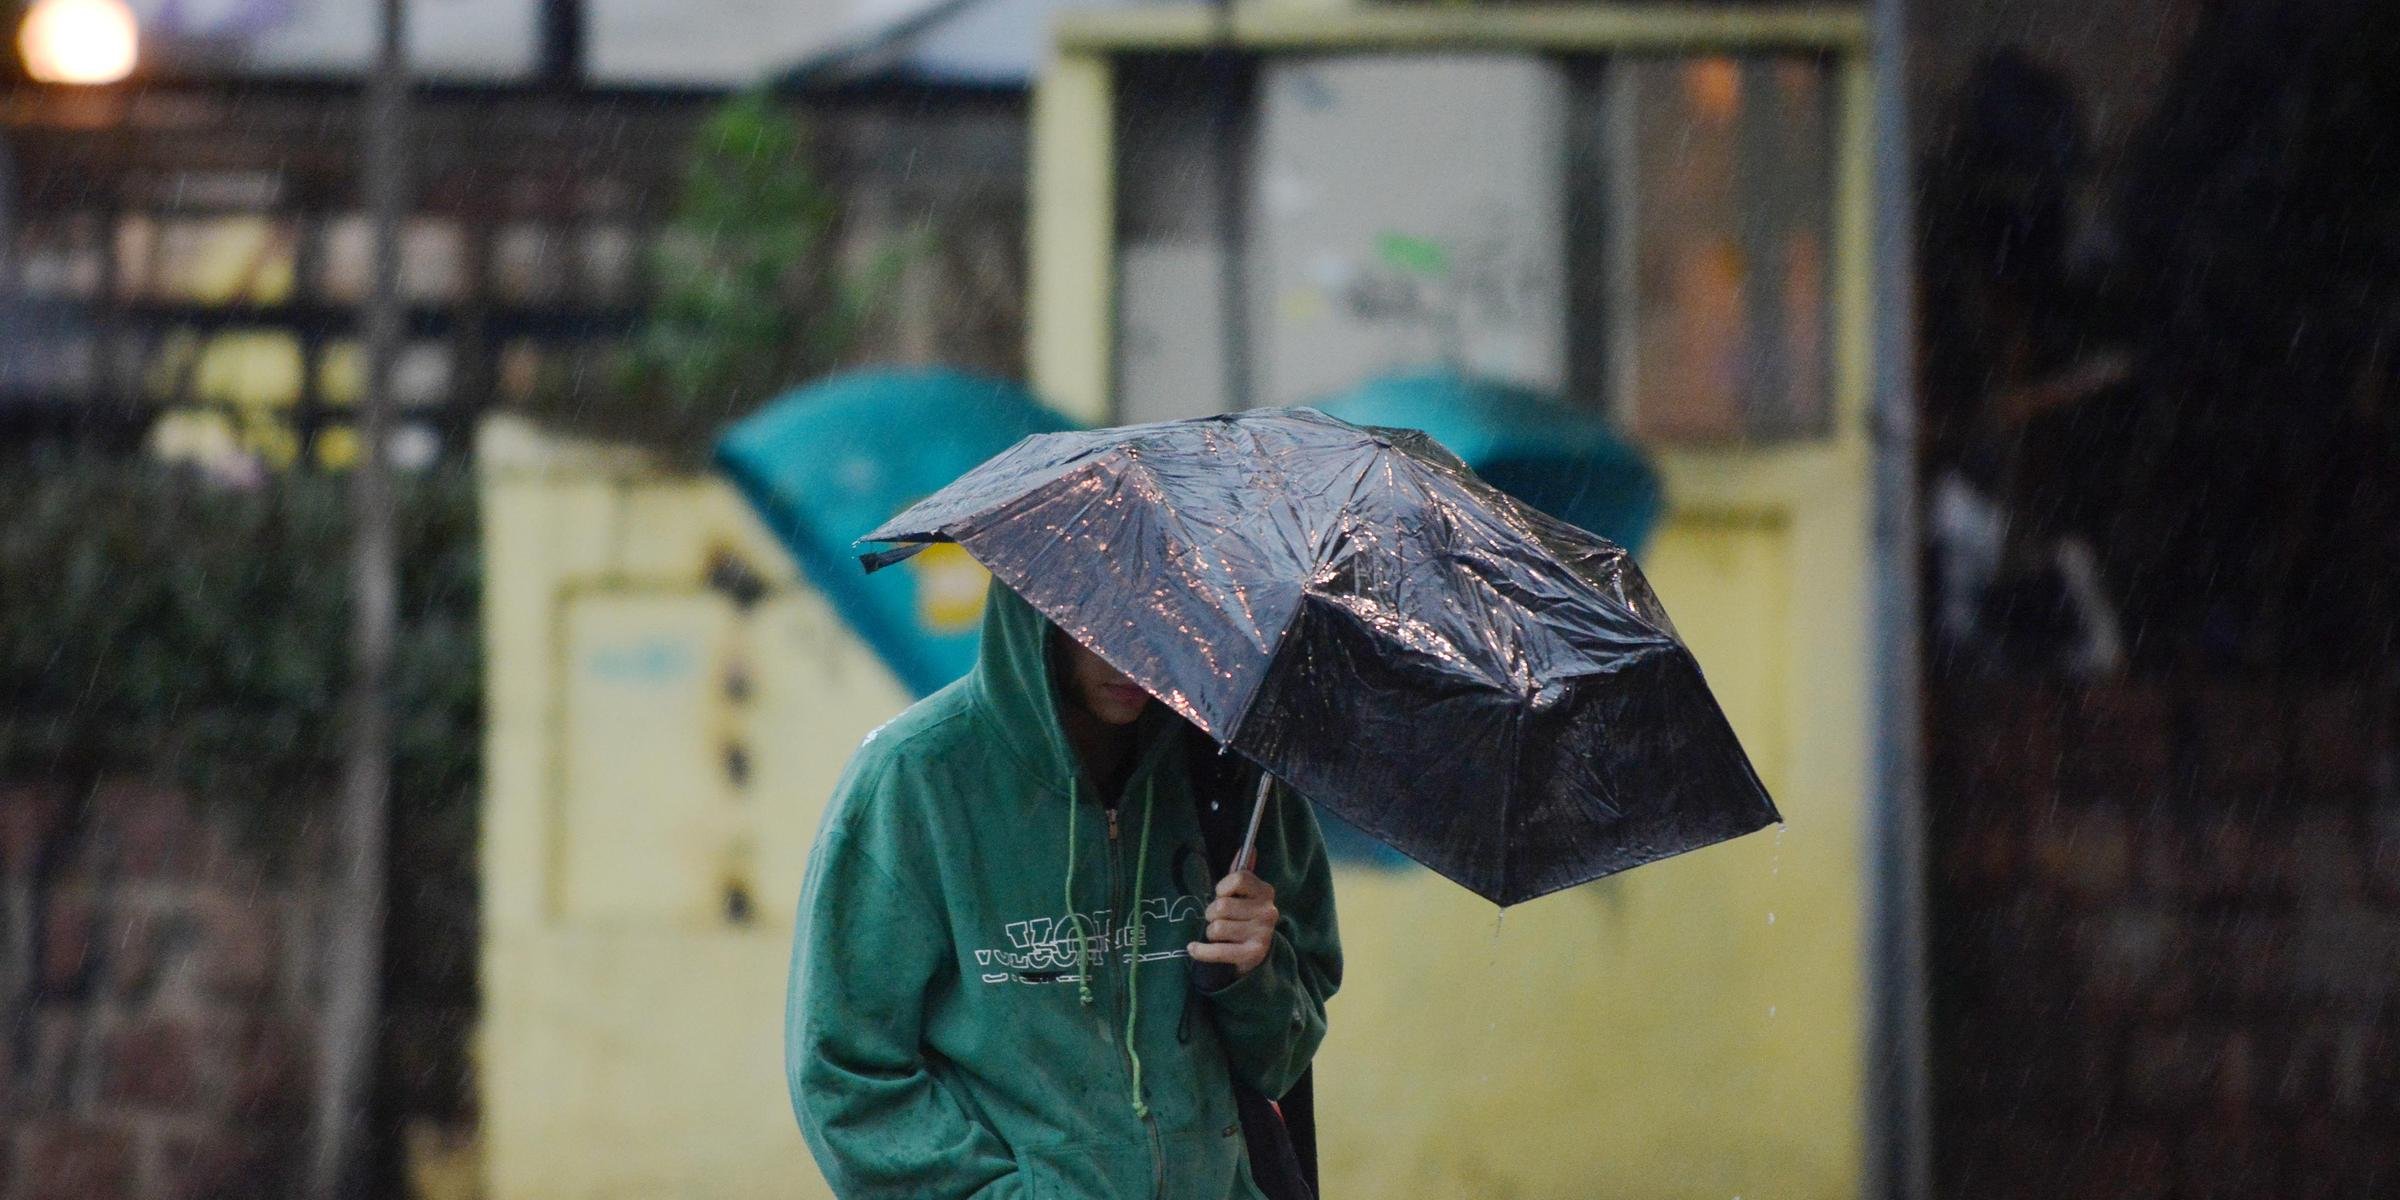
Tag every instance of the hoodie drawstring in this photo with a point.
(1133, 972)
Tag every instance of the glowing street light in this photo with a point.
(78, 41)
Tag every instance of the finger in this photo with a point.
(1235, 931)
(1255, 911)
(1214, 952)
(1240, 931)
(1243, 883)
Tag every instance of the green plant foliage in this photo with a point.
(749, 296)
(153, 625)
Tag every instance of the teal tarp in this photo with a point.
(826, 463)
(1561, 460)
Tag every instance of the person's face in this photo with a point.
(1101, 689)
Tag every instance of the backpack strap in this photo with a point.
(1282, 1140)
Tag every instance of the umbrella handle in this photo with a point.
(1210, 977)
(1247, 859)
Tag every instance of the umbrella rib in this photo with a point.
(1173, 518)
(1518, 517)
(1283, 491)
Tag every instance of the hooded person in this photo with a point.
(991, 990)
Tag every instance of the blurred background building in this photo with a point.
(2085, 733)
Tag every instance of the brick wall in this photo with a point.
(155, 1029)
(2166, 925)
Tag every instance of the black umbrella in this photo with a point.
(1492, 692)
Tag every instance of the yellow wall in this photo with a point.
(631, 1037)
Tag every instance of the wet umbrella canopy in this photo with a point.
(1492, 692)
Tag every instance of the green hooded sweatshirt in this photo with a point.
(950, 1035)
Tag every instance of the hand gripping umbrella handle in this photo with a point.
(1208, 976)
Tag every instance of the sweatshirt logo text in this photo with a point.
(1043, 949)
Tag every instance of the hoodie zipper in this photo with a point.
(1131, 911)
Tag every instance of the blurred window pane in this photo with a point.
(248, 369)
(529, 263)
(1364, 261)
(59, 257)
(520, 371)
(251, 369)
(1723, 233)
(49, 355)
(432, 259)
(421, 376)
(1672, 263)
(205, 260)
(411, 447)
(609, 260)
